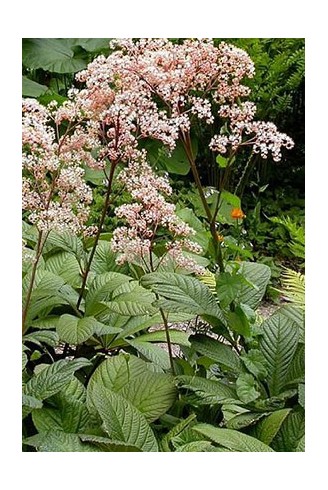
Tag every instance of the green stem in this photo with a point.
(167, 334)
(39, 249)
(168, 340)
(101, 223)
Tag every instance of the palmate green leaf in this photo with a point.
(195, 446)
(65, 265)
(102, 288)
(228, 286)
(291, 432)
(72, 417)
(92, 45)
(122, 421)
(278, 345)
(238, 321)
(68, 242)
(109, 445)
(297, 315)
(153, 353)
(47, 337)
(150, 392)
(182, 294)
(232, 439)
(49, 291)
(32, 89)
(255, 363)
(31, 402)
(137, 301)
(46, 323)
(258, 275)
(301, 445)
(104, 259)
(202, 236)
(244, 420)
(53, 378)
(268, 427)
(74, 330)
(296, 369)
(54, 55)
(210, 391)
(59, 441)
(246, 388)
(175, 163)
(175, 431)
(220, 353)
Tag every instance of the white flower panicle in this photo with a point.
(148, 214)
(55, 195)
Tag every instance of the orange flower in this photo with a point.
(237, 213)
(220, 237)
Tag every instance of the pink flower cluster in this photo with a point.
(146, 215)
(264, 136)
(153, 88)
(55, 195)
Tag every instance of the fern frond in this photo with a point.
(293, 287)
(209, 280)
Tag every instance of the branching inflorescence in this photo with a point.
(150, 88)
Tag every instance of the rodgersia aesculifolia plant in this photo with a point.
(150, 88)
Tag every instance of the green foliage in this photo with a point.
(96, 371)
(232, 440)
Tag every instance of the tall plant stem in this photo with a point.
(168, 340)
(186, 142)
(39, 249)
(167, 333)
(101, 223)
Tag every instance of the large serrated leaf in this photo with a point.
(232, 439)
(74, 330)
(59, 441)
(220, 353)
(65, 265)
(102, 288)
(296, 369)
(195, 446)
(246, 388)
(122, 421)
(278, 345)
(209, 390)
(68, 242)
(50, 54)
(53, 378)
(137, 302)
(104, 259)
(268, 427)
(46, 337)
(150, 392)
(291, 432)
(181, 293)
(255, 363)
(109, 445)
(71, 417)
(151, 352)
(32, 89)
(258, 275)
